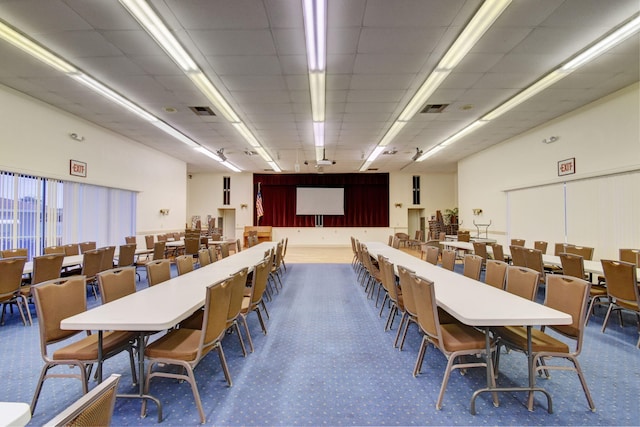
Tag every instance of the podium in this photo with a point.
(262, 231)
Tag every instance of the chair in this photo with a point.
(403, 238)
(191, 246)
(533, 260)
(45, 268)
(448, 259)
(213, 253)
(395, 242)
(127, 255)
(224, 249)
(454, 340)
(184, 263)
(116, 283)
(92, 265)
(558, 248)
(254, 300)
(432, 252)
(622, 289)
(149, 241)
(54, 250)
(496, 273)
(82, 353)
(480, 248)
(630, 255)
(584, 251)
(158, 271)
(203, 257)
(10, 282)
(71, 249)
(517, 256)
(371, 273)
(12, 253)
(472, 266)
(275, 272)
(93, 409)
(522, 281)
(158, 254)
(394, 294)
(185, 348)
(284, 252)
(566, 294)
(107, 257)
(540, 245)
(417, 239)
(517, 242)
(573, 265)
(410, 314)
(464, 236)
(87, 246)
(498, 252)
(130, 240)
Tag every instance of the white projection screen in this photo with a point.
(319, 201)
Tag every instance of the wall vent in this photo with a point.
(434, 108)
(202, 111)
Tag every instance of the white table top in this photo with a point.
(164, 305)
(465, 246)
(14, 414)
(470, 301)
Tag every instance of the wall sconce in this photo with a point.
(164, 212)
(243, 206)
(398, 205)
(477, 212)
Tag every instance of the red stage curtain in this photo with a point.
(366, 199)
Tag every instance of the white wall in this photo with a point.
(35, 140)
(603, 137)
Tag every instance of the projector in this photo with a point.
(325, 162)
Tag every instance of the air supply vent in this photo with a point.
(434, 108)
(202, 111)
(390, 152)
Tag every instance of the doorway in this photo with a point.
(415, 222)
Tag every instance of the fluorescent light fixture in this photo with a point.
(395, 128)
(27, 45)
(621, 34)
(532, 90)
(365, 166)
(209, 90)
(317, 82)
(375, 154)
(263, 153)
(275, 167)
(230, 166)
(175, 133)
(315, 26)
(430, 153)
(319, 154)
(143, 13)
(208, 153)
(318, 133)
(246, 134)
(473, 126)
(473, 31)
(426, 90)
(108, 93)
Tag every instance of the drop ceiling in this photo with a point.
(378, 53)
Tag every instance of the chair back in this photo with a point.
(395, 242)
(129, 240)
(126, 255)
(584, 251)
(54, 250)
(203, 257)
(388, 276)
(404, 276)
(448, 259)
(284, 247)
(224, 249)
(432, 254)
(480, 249)
(260, 277)
(87, 246)
(116, 283)
(93, 409)
(540, 245)
(149, 241)
(622, 283)
(238, 285)
(569, 295)
(213, 253)
(572, 265)
(159, 250)
(92, 263)
(158, 271)
(517, 242)
(498, 252)
(442, 236)
(533, 260)
(184, 263)
(630, 255)
(278, 258)
(10, 276)
(517, 255)
(107, 258)
(161, 237)
(46, 267)
(71, 249)
(214, 321)
(426, 306)
(495, 273)
(191, 246)
(472, 266)
(522, 281)
(56, 300)
(12, 253)
(558, 248)
(464, 236)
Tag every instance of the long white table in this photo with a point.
(477, 304)
(162, 306)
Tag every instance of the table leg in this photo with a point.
(99, 370)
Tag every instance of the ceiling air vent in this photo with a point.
(434, 108)
(250, 153)
(390, 152)
(372, 169)
(202, 111)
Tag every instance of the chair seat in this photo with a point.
(180, 344)
(517, 335)
(457, 337)
(87, 348)
(598, 291)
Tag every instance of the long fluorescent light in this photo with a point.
(274, 166)
(394, 130)
(208, 153)
(467, 130)
(317, 82)
(246, 134)
(175, 133)
(232, 167)
(143, 13)
(430, 153)
(473, 31)
(426, 90)
(622, 33)
(209, 90)
(318, 133)
(315, 26)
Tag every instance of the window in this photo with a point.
(416, 189)
(226, 190)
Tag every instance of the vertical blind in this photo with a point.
(36, 212)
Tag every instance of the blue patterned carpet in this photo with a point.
(327, 361)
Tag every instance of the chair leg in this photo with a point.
(606, 317)
(134, 376)
(421, 353)
(261, 320)
(400, 328)
(246, 328)
(587, 394)
(237, 327)
(223, 362)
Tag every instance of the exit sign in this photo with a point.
(77, 168)
(567, 167)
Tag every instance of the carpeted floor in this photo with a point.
(327, 361)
